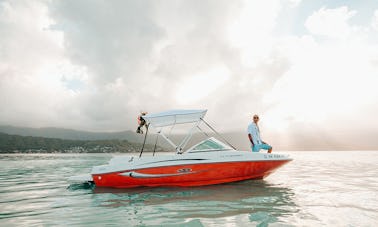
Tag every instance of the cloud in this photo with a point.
(330, 82)
(116, 58)
(252, 29)
(137, 55)
(109, 38)
(201, 85)
(27, 51)
(374, 22)
(331, 22)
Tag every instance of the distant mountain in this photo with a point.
(31, 144)
(237, 139)
(70, 134)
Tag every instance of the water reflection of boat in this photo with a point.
(206, 163)
(258, 199)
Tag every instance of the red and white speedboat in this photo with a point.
(208, 162)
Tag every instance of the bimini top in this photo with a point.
(173, 117)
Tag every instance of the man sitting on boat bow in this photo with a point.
(254, 137)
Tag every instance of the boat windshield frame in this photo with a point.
(223, 147)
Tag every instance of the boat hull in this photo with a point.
(187, 175)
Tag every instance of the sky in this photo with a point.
(308, 68)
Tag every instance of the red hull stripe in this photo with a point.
(197, 174)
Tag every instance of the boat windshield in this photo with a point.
(210, 144)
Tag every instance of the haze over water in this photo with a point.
(317, 188)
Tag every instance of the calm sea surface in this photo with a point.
(316, 189)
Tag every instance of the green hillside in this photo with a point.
(31, 144)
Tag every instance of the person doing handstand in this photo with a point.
(141, 122)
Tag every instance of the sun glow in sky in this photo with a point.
(95, 65)
(198, 86)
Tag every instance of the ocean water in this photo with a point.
(325, 188)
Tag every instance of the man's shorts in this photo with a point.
(258, 147)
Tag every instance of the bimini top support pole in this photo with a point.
(168, 140)
(187, 138)
(144, 142)
(157, 137)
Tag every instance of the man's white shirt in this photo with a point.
(255, 133)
